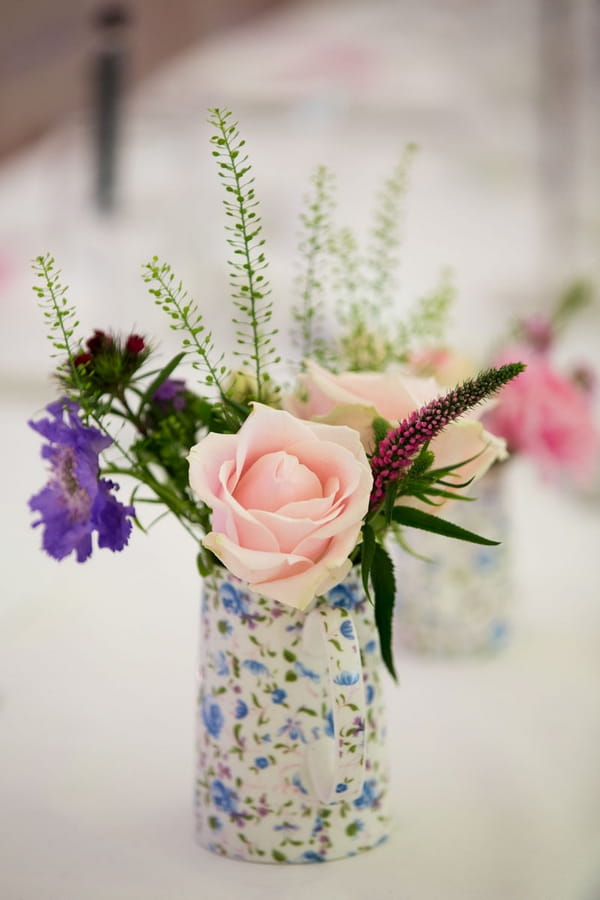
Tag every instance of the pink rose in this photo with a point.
(356, 398)
(547, 417)
(288, 498)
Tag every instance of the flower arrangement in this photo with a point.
(288, 486)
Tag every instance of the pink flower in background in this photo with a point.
(288, 498)
(547, 417)
(538, 332)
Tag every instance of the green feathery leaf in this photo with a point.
(247, 268)
(315, 220)
(386, 234)
(61, 320)
(185, 316)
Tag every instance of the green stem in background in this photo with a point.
(316, 225)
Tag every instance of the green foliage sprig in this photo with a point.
(386, 233)
(315, 221)
(367, 335)
(60, 315)
(247, 269)
(185, 316)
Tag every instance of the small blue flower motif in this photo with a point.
(499, 632)
(311, 856)
(298, 784)
(341, 788)
(367, 799)
(278, 695)
(221, 665)
(369, 693)
(317, 827)
(370, 647)
(293, 729)
(346, 629)
(285, 826)
(241, 709)
(342, 597)
(328, 728)
(232, 599)
(484, 559)
(222, 797)
(346, 678)
(301, 670)
(257, 668)
(212, 717)
(261, 762)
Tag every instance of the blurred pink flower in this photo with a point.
(545, 416)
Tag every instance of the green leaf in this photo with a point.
(278, 856)
(203, 566)
(416, 518)
(162, 376)
(384, 588)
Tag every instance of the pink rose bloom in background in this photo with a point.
(356, 398)
(546, 417)
(288, 499)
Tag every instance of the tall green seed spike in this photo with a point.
(250, 288)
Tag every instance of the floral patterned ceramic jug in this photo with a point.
(291, 751)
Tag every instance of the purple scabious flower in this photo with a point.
(397, 451)
(76, 502)
(170, 394)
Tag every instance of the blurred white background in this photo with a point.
(497, 783)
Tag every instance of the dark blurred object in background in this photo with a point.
(46, 48)
(110, 70)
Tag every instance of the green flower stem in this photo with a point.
(163, 493)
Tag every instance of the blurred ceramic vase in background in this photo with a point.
(460, 601)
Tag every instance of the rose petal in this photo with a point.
(276, 480)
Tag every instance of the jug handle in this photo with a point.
(337, 767)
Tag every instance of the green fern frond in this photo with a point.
(428, 319)
(248, 280)
(60, 315)
(184, 316)
(61, 320)
(348, 280)
(386, 233)
(315, 221)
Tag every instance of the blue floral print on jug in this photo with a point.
(292, 764)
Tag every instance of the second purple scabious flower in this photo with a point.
(170, 395)
(76, 502)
